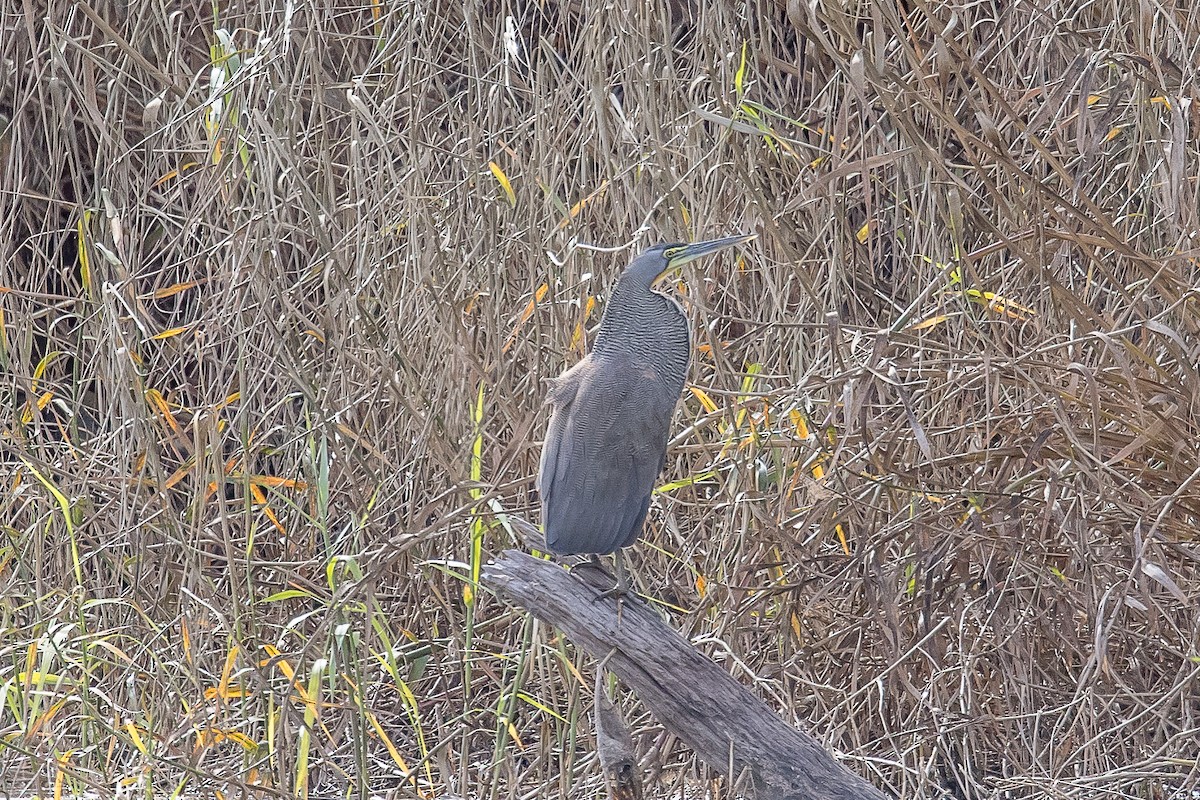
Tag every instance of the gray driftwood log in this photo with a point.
(722, 721)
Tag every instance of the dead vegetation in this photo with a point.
(279, 285)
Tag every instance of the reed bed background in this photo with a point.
(280, 284)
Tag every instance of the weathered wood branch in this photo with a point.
(614, 745)
(721, 720)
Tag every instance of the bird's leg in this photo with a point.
(622, 587)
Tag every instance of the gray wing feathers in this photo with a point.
(561, 395)
(604, 450)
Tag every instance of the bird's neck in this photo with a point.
(645, 325)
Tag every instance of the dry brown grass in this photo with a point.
(256, 271)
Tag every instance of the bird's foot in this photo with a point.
(617, 591)
(622, 588)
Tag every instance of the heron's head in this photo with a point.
(649, 266)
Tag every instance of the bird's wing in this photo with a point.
(603, 452)
(561, 396)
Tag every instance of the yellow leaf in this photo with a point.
(42, 366)
(739, 77)
(748, 379)
(800, 423)
(65, 507)
(862, 233)
(701, 585)
(504, 182)
(1002, 305)
(85, 270)
(281, 664)
(169, 332)
(60, 773)
(227, 672)
(245, 741)
(387, 742)
(137, 738)
(705, 400)
(688, 481)
(1114, 133)
(515, 736)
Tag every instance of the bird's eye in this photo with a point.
(671, 252)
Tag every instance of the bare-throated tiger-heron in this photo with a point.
(607, 438)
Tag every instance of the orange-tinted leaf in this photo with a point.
(159, 404)
(582, 204)
(174, 289)
(175, 173)
(577, 335)
(538, 295)
(275, 482)
(930, 322)
(178, 475)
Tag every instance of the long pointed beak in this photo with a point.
(690, 252)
